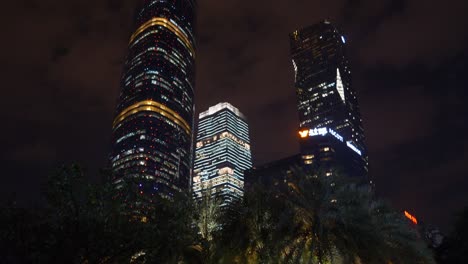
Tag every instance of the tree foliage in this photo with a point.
(319, 219)
(311, 218)
(85, 223)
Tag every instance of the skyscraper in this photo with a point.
(326, 98)
(153, 127)
(222, 153)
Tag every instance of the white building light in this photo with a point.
(351, 146)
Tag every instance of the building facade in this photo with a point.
(330, 134)
(222, 153)
(325, 96)
(152, 132)
(273, 174)
(326, 149)
(323, 152)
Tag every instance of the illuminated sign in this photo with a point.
(304, 133)
(340, 138)
(313, 132)
(323, 131)
(351, 146)
(411, 218)
(319, 132)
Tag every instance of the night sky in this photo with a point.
(61, 63)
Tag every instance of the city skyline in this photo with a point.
(407, 64)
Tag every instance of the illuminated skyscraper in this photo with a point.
(153, 127)
(326, 98)
(222, 153)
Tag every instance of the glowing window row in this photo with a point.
(171, 57)
(222, 136)
(152, 106)
(152, 115)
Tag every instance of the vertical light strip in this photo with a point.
(339, 85)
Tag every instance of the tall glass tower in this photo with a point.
(153, 126)
(326, 98)
(222, 153)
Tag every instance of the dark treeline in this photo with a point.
(454, 249)
(311, 219)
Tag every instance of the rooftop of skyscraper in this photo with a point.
(220, 106)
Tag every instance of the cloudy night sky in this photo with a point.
(61, 63)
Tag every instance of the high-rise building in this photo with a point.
(326, 98)
(222, 153)
(153, 127)
(326, 149)
(323, 151)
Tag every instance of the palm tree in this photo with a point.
(335, 221)
(248, 233)
(315, 218)
(311, 218)
(313, 213)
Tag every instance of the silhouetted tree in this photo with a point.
(318, 219)
(84, 223)
(312, 217)
(454, 249)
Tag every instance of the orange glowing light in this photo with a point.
(168, 24)
(411, 217)
(304, 133)
(153, 106)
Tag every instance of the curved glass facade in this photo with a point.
(153, 126)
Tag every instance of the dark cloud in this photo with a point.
(62, 62)
(424, 31)
(35, 151)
